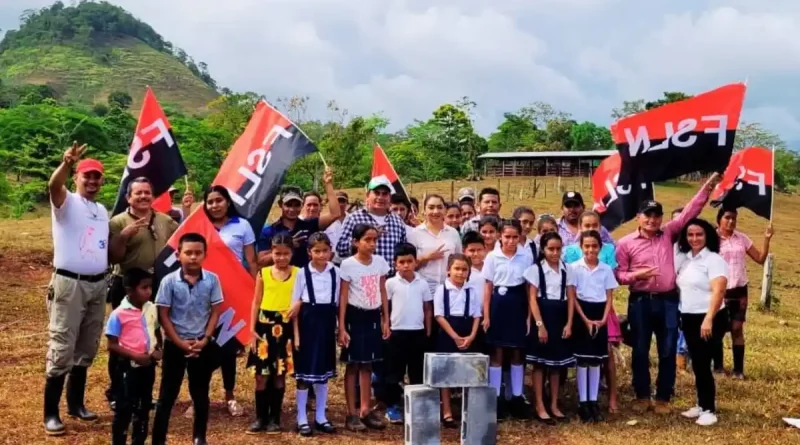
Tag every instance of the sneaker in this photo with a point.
(394, 415)
(692, 413)
(353, 423)
(707, 418)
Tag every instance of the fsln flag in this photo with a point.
(154, 154)
(616, 203)
(747, 182)
(683, 137)
(382, 170)
(253, 172)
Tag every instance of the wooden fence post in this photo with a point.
(766, 283)
(452, 191)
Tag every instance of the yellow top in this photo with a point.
(277, 294)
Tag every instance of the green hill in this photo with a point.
(87, 51)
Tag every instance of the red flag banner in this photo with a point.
(748, 182)
(154, 155)
(382, 169)
(616, 204)
(692, 135)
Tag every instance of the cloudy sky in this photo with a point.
(405, 57)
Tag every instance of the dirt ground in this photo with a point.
(750, 411)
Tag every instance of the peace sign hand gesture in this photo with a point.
(74, 153)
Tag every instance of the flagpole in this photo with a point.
(322, 158)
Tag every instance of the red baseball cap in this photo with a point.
(89, 165)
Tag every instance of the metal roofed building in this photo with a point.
(543, 163)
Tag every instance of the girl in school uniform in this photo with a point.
(527, 221)
(314, 309)
(271, 350)
(488, 227)
(505, 309)
(552, 297)
(594, 285)
(457, 310)
(363, 322)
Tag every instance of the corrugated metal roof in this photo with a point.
(549, 154)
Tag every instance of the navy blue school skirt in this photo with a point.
(557, 352)
(591, 349)
(508, 317)
(315, 361)
(366, 341)
(463, 327)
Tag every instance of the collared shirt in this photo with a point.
(552, 279)
(458, 300)
(734, 251)
(237, 234)
(435, 272)
(591, 284)
(132, 328)
(142, 249)
(393, 232)
(472, 224)
(695, 273)
(504, 271)
(408, 302)
(607, 255)
(300, 254)
(364, 281)
(635, 252)
(190, 305)
(80, 236)
(568, 237)
(478, 282)
(323, 288)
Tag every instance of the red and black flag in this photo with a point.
(383, 172)
(683, 137)
(154, 154)
(747, 182)
(616, 203)
(253, 171)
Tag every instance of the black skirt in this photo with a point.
(557, 352)
(366, 341)
(462, 326)
(273, 354)
(315, 360)
(591, 349)
(508, 317)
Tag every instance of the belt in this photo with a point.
(672, 295)
(80, 277)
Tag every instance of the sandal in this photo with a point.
(449, 422)
(234, 408)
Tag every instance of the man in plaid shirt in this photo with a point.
(376, 213)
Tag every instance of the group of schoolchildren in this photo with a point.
(517, 300)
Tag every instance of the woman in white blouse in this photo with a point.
(702, 280)
(435, 242)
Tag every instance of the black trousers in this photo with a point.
(133, 396)
(701, 352)
(406, 355)
(175, 366)
(226, 358)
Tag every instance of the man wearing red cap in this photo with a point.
(77, 292)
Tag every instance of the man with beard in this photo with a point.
(290, 201)
(77, 289)
(572, 207)
(137, 237)
(488, 204)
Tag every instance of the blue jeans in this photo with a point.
(657, 316)
(683, 349)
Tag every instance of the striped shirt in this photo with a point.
(734, 251)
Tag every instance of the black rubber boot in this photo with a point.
(275, 405)
(76, 389)
(52, 396)
(259, 425)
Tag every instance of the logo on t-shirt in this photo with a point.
(101, 244)
(370, 285)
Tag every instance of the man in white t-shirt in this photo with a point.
(77, 293)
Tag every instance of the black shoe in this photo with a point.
(518, 409)
(597, 415)
(373, 421)
(585, 413)
(258, 426)
(76, 389)
(545, 420)
(305, 430)
(52, 396)
(273, 427)
(200, 441)
(326, 427)
(502, 409)
(449, 422)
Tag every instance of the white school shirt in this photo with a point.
(80, 236)
(504, 271)
(477, 281)
(552, 280)
(365, 281)
(435, 272)
(458, 298)
(408, 299)
(321, 282)
(694, 279)
(334, 232)
(591, 285)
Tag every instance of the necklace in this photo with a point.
(89, 208)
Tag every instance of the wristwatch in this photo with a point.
(539, 324)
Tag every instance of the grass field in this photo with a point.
(750, 411)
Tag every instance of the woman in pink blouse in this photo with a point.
(735, 247)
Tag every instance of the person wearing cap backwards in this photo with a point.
(572, 207)
(291, 202)
(646, 264)
(488, 204)
(334, 231)
(77, 292)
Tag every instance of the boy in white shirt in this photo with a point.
(411, 305)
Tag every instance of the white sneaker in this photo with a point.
(707, 418)
(692, 413)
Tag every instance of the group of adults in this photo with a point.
(88, 244)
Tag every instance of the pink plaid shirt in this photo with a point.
(734, 251)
